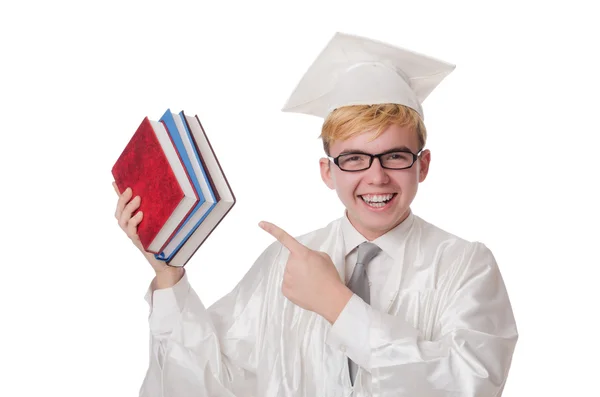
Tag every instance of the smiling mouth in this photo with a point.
(377, 200)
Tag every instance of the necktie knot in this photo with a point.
(366, 252)
(359, 283)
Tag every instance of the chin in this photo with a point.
(382, 222)
(377, 218)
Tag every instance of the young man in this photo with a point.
(377, 302)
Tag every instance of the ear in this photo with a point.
(424, 160)
(325, 166)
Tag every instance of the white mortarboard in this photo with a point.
(354, 70)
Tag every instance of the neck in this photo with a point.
(371, 235)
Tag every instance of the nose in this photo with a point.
(377, 175)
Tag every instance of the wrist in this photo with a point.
(336, 302)
(168, 277)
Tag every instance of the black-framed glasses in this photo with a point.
(360, 161)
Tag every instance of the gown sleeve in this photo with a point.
(198, 351)
(470, 354)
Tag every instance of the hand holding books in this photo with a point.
(128, 222)
(166, 276)
(183, 192)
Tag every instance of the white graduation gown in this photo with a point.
(448, 329)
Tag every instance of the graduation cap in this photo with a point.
(354, 70)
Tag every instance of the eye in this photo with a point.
(398, 156)
(354, 158)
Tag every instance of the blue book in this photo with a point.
(182, 140)
(222, 190)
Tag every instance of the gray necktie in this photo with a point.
(359, 284)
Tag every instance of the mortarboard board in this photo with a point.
(354, 70)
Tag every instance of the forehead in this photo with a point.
(392, 137)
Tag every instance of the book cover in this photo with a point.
(144, 167)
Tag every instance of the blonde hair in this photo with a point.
(347, 121)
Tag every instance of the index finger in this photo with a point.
(283, 237)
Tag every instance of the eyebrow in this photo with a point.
(394, 149)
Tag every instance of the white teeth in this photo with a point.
(377, 198)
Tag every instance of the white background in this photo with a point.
(513, 133)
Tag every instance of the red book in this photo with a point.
(152, 168)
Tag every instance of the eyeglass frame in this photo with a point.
(378, 156)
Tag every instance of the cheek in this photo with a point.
(408, 182)
(346, 185)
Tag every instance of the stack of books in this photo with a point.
(184, 193)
